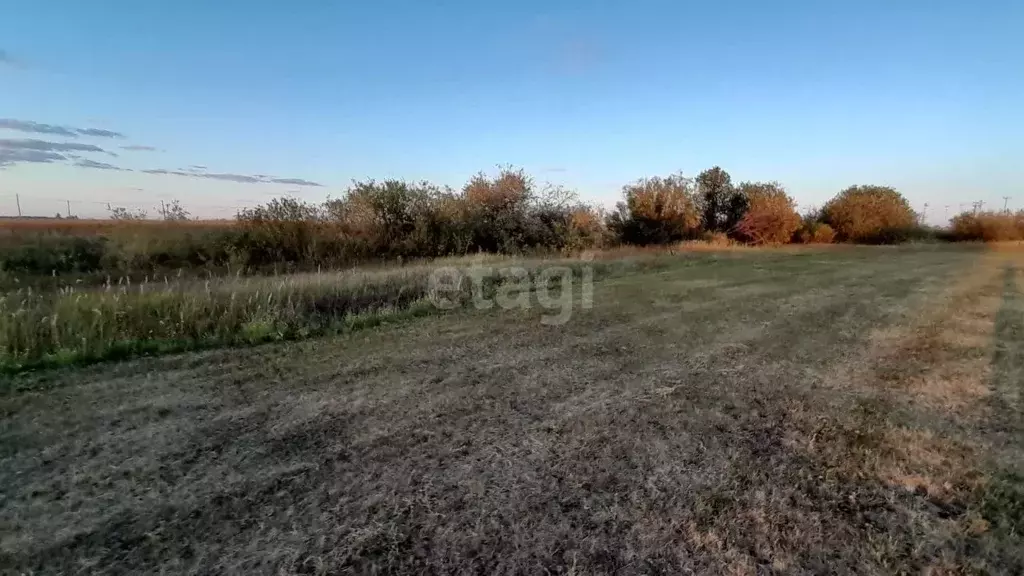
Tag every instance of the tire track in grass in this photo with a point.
(770, 390)
(1002, 498)
(921, 395)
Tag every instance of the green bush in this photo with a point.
(812, 232)
(56, 254)
(899, 235)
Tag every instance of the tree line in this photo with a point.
(509, 213)
(503, 212)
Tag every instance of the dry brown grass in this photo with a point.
(84, 227)
(943, 357)
(753, 414)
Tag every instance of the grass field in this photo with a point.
(854, 410)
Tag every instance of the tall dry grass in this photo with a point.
(124, 318)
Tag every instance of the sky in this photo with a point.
(227, 104)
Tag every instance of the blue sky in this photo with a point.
(922, 95)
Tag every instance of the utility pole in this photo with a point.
(163, 210)
(69, 208)
(17, 200)
(1006, 204)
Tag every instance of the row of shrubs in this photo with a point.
(388, 220)
(504, 213)
(988, 227)
(664, 210)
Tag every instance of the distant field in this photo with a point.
(756, 412)
(78, 223)
(13, 226)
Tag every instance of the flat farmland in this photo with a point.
(847, 410)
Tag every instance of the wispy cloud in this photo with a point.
(245, 179)
(44, 146)
(36, 127)
(227, 177)
(66, 131)
(99, 133)
(86, 163)
(293, 181)
(161, 171)
(33, 151)
(12, 156)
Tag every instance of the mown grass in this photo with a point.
(767, 413)
(757, 412)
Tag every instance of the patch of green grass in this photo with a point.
(1003, 503)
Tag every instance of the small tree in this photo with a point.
(175, 212)
(869, 214)
(722, 205)
(771, 216)
(384, 214)
(656, 211)
(282, 230)
(511, 188)
(497, 209)
(586, 228)
(125, 214)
